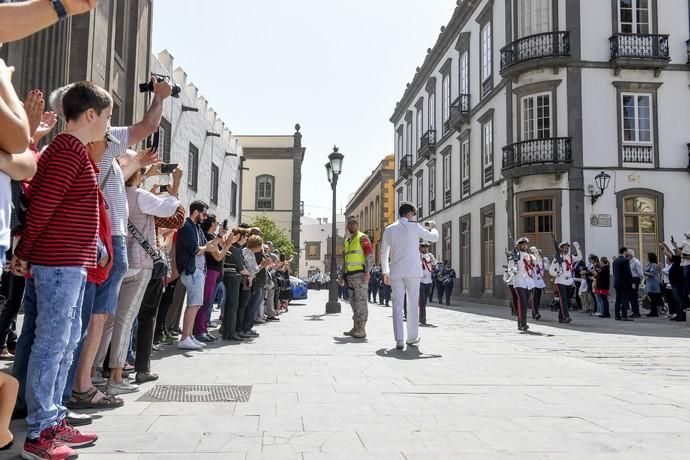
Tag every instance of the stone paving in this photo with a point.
(474, 389)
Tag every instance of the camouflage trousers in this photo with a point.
(359, 293)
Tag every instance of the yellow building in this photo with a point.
(374, 202)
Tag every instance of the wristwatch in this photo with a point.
(60, 9)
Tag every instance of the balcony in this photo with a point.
(537, 156)
(641, 156)
(459, 112)
(639, 51)
(534, 51)
(446, 198)
(427, 145)
(405, 168)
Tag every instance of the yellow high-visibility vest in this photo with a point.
(354, 258)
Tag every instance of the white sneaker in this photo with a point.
(399, 344)
(414, 342)
(200, 344)
(188, 344)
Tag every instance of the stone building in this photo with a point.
(111, 46)
(194, 136)
(374, 202)
(272, 180)
(555, 119)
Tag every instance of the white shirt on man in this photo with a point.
(401, 243)
(114, 190)
(525, 271)
(428, 266)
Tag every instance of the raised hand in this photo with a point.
(47, 124)
(34, 104)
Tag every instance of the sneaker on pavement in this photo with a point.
(72, 437)
(211, 337)
(253, 333)
(121, 388)
(399, 344)
(47, 447)
(244, 336)
(260, 321)
(188, 344)
(201, 344)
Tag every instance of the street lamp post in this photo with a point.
(333, 169)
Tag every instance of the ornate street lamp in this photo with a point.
(602, 182)
(333, 170)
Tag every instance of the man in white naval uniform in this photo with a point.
(404, 271)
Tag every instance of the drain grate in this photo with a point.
(197, 393)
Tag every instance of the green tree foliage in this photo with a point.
(271, 232)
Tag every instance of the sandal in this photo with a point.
(85, 400)
(5, 355)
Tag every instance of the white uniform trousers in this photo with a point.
(402, 286)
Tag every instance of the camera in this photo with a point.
(148, 86)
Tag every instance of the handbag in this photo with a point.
(160, 264)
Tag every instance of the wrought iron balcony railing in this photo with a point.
(640, 46)
(459, 112)
(640, 154)
(446, 198)
(555, 150)
(540, 46)
(427, 144)
(405, 166)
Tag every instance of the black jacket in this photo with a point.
(189, 238)
(622, 276)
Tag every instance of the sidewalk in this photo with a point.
(475, 389)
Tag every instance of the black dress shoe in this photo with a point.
(605, 316)
(565, 321)
(143, 377)
(75, 419)
(538, 317)
(635, 316)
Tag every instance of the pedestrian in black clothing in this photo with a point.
(622, 283)
(446, 282)
(675, 276)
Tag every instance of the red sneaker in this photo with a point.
(72, 437)
(47, 447)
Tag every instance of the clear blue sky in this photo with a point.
(337, 67)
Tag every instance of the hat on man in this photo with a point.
(563, 243)
(351, 219)
(523, 240)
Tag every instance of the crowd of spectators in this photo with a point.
(101, 259)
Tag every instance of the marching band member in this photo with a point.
(540, 267)
(562, 269)
(524, 281)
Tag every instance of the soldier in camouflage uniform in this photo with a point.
(358, 255)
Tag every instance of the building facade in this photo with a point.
(194, 136)
(374, 202)
(272, 180)
(315, 236)
(110, 46)
(517, 109)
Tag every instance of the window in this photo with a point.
(215, 176)
(120, 34)
(641, 224)
(365, 224)
(487, 242)
(432, 188)
(164, 140)
(633, 16)
(432, 111)
(446, 178)
(464, 74)
(377, 215)
(445, 100)
(465, 260)
(420, 195)
(487, 59)
(420, 125)
(265, 191)
(233, 199)
(313, 250)
(401, 149)
(115, 114)
(488, 151)
(408, 190)
(400, 197)
(193, 167)
(410, 148)
(637, 118)
(536, 117)
(535, 17)
(465, 167)
(537, 219)
(447, 250)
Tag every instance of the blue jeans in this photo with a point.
(59, 296)
(252, 308)
(86, 307)
(26, 340)
(219, 296)
(107, 293)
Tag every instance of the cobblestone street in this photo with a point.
(475, 388)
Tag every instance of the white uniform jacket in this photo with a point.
(401, 242)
